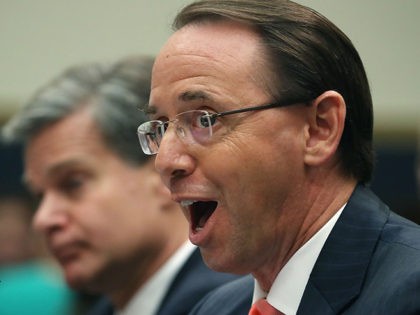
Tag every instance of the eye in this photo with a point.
(162, 128)
(212, 119)
(204, 120)
(153, 129)
(72, 184)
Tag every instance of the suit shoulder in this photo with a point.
(230, 299)
(402, 232)
(191, 284)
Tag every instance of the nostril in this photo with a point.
(178, 173)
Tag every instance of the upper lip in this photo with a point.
(185, 200)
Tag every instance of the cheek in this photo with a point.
(251, 177)
(125, 216)
(245, 166)
(103, 214)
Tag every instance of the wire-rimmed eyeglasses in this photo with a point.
(195, 126)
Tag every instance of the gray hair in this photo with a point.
(114, 93)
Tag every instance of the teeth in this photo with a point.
(186, 203)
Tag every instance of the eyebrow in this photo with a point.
(54, 171)
(194, 95)
(149, 109)
(187, 96)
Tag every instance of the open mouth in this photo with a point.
(200, 212)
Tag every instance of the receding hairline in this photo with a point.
(261, 69)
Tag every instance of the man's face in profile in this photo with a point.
(99, 215)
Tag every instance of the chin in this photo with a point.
(216, 262)
(77, 282)
(227, 264)
(77, 276)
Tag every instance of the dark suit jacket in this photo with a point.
(370, 264)
(193, 281)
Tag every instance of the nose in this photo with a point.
(173, 159)
(51, 214)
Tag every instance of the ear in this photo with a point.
(325, 127)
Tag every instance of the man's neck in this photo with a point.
(319, 205)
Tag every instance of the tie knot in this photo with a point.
(262, 307)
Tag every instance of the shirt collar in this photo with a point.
(288, 287)
(149, 297)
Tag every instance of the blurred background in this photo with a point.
(41, 38)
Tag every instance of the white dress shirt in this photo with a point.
(288, 287)
(148, 299)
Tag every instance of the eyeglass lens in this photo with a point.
(193, 126)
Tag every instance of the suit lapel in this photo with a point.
(192, 282)
(339, 272)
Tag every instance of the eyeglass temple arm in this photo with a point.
(248, 109)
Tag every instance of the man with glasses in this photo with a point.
(106, 216)
(261, 122)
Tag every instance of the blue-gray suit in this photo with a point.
(370, 264)
(193, 282)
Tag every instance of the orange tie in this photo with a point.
(262, 307)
